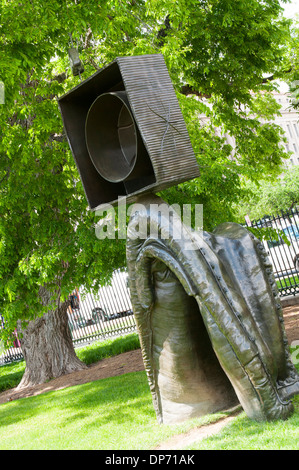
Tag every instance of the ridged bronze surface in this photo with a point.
(164, 156)
(159, 117)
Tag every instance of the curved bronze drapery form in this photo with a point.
(209, 319)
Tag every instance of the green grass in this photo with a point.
(114, 413)
(107, 348)
(117, 414)
(245, 434)
(287, 282)
(10, 375)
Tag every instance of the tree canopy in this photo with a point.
(271, 198)
(292, 64)
(221, 55)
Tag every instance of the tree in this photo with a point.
(44, 218)
(270, 198)
(226, 49)
(47, 337)
(292, 65)
(219, 50)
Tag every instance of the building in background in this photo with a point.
(288, 121)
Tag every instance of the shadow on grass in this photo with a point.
(117, 398)
(11, 375)
(117, 413)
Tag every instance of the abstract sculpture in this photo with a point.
(206, 306)
(126, 131)
(209, 320)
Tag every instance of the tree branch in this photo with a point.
(189, 90)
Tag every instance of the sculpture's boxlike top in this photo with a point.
(126, 131)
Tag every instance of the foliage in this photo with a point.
(271, 198)
(292, 64)
(219, 50)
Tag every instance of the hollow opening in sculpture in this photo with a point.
(189, 379)
(115, 146)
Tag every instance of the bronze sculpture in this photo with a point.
(206, 306)
(156, 131)
(197, 309)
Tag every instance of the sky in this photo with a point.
(291, 9)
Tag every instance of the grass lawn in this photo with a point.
(245, 434)
(287, 282)
(117, 414)
(114, 413)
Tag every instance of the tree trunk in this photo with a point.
(47, 347)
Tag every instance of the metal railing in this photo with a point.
(92, 317)
(280, 237)
(110, 312)
(99, 316)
